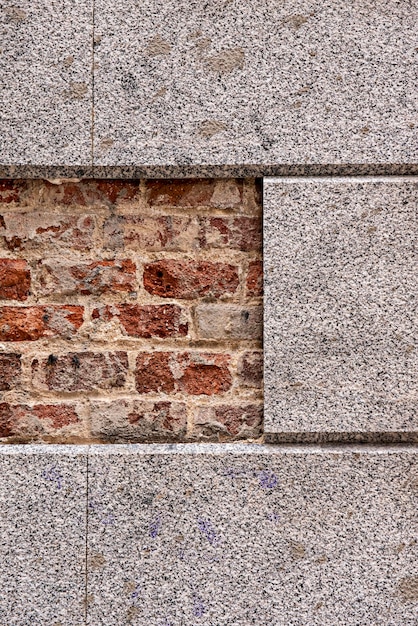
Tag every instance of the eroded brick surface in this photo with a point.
(229, 421)
(86, 279)
(139, 420)
(193, 373)
(14, 279)
(81, 371)
(169, 278)
(34, 322)
(255, 279)
(10, 371)
(23, 421)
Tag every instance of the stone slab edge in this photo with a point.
(239, 170)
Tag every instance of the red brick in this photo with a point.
(59, 415)
(153, 372)
(139, 421)
(166, 320)
(81, 371)
(10, 371)
(91, 192)
(34, 322)
(104, 313)
(86, 279)
(7, 426)
(229, 422)
(14, 279)
(190, 279)
(188, 372)
(195, 193)
(22, 420)
(242, 233)
(115, 191)
(255, 279)
(33, 230)
(12, 190)
(164, 232)
(82, 193)
(250, 369)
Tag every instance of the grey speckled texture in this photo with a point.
(45, 88)
(341, 284)
(238, 83)
(228, 535)
(42, 535)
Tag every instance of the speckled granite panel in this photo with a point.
(232, 82)
(42, 535)
(45, 87)
(233, 534)
(341, 284)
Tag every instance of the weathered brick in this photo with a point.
(10, 370)
(90, 192)
(229, 321)
(140, 233)
(137, 420)
(34, 322)
(166, 320)
(85, 279)
(169, 278)
(250, 369)
(195, 192)
(35, 230)
(242, 233)
(193, 373)
(12, 190)
(14, 279)
(146, 321)
(255, 279)
(23, 420)
(81, 371)
(68, 193)
(228, 422)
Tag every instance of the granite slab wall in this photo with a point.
(228, 87)
(43, 492)
(340, 318)
(239, 534)
(208, 534)
(46, 84)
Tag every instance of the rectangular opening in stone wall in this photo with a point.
(130, 310)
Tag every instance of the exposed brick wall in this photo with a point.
(130, 311)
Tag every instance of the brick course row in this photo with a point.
(167, 278)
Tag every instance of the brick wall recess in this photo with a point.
(130, 310)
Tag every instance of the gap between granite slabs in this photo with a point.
(340, 317)
(43, 496)
(46, 92)
(248, 534)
